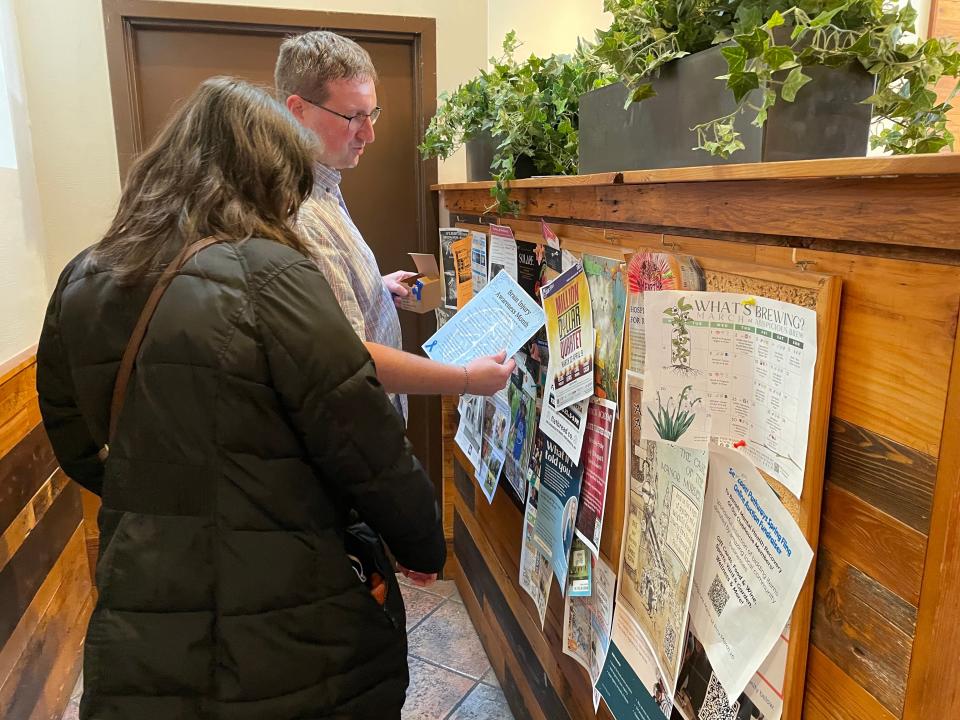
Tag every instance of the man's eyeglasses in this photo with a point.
(354, 121)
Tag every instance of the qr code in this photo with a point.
(718, 595)
(716, 705)
(670, 642)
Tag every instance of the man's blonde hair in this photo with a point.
(307, 62)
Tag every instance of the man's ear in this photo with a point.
(294, 104)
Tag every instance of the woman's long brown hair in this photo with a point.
(231, 163)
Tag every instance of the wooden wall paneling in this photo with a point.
(863, 628)
(448, 428)
(933, 688)
(898, 320)
(834, 695)
(40, 683)
(45, 582)
(877, 544)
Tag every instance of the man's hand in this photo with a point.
(395, 286)
(488, 375)
(418, 578)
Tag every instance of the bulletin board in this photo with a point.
(816, 291)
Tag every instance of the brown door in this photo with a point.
(159, 52)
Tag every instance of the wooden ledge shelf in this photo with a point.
(881, 166)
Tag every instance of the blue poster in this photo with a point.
(624, 692)
(559, 495)
(500, 317)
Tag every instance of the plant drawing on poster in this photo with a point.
(608, 304)
(655, 271)
(733, 368)
(664, 503)
(570, 336)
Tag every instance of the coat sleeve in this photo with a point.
(355, 439)
(69, 434)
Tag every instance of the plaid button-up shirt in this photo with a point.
(349, 265)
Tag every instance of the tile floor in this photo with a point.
(450, 676)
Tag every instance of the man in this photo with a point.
(328, 82)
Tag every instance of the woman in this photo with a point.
(252, 428)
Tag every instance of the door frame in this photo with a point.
(123, 18)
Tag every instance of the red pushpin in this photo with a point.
(739, 444)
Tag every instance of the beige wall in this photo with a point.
(65, 65)
(23, 287)
(544, 26)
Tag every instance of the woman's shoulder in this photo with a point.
(262, 257)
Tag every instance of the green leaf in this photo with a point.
(643, 92)
(736, 57)
(776, 20)
(777, 56)
(824, 18)
(754, 43)
(795, 80)
(741, 83)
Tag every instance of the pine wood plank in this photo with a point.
(834, 695)
(933, 689)
(875, 543)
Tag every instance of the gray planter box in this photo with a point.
(826, 120)
(480, 155)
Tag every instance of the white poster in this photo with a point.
(734, 368)
(502, 253)
(587, 621)
(565, 427)
(752, 563)
(535, 571)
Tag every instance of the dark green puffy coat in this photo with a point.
(253, 424)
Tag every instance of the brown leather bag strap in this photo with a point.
(140, 329)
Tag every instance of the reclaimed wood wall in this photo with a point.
(881, 601)
(45, 583)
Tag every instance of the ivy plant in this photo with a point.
(529, 107)
(767, 46)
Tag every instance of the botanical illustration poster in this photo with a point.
(496, 419)
(595, 458)
(735, 368)
(535, 571)
(665, 491)
(570, 336)
(478, 260)
(608, 303)
(752, 563)
(557, 507)
(655, 271)
(502, 254)
(448, 264)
